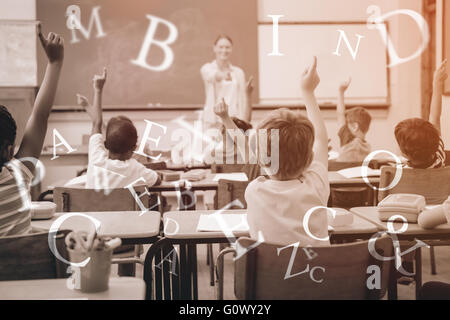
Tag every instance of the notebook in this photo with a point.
(356, 172)
(232, 222)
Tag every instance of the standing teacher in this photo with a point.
(224, 81)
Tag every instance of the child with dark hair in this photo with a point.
(354, 125)
(110, 161)
(420, 140)
(17, 170)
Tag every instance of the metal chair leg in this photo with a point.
(219, 271)
(211, 264)
(432, 261)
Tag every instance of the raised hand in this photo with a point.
(344, 85)
(99, 80)
(440, 75)
(249, 86)
(82, 101)
(53, 46)
(221, 109)
(310, 78)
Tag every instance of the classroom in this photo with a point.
(224, 150)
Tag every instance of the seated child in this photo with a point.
(16, 171)
(277, 205)
(429, 219)
(420, 140)
(354, 124)
(110, 162)
(421, 144)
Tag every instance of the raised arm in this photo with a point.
(436, 100)
(221, 110)
(341, 103)
(36, 127)
(309, 82)
(247, 115)
(96, 113)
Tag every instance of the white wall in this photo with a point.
(18, 10)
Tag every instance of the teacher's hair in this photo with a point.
(223, 36)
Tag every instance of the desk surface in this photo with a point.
(371, 214)
(187, 221)
(208, 183)
(334, 178)
(122, 224)
(123, 288)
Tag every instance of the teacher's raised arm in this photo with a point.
(224, 81)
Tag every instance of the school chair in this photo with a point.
(227, 192)
(348, 197)
(28, 257)
(433, 184)
(120, 199)
(162, 271)
(339, 271)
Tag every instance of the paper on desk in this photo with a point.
(356, 172)
(235, 176)
(231, 222)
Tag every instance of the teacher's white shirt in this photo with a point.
(232, 91)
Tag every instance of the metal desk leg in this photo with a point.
(192, 257)
(392, 287)
(185, 277)
(418, 276)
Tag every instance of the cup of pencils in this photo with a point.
(94, 276)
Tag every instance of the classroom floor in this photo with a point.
(207, 292)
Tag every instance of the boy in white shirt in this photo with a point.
(277, 206)
(110, 162)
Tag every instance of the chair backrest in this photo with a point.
(228, 191)
(82, 200)
(252, 171)
(433, 184)
(260, 273)
(28, 257)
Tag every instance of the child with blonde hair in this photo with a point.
(277, 205)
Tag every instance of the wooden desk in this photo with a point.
(413, 232)
(130, 226)
(183, 232)
(123, 288)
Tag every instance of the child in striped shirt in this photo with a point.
(16, 171)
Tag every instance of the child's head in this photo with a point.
(296, 139)
(418, 140)
(121, 137)
(358, 121)
(8, 130)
